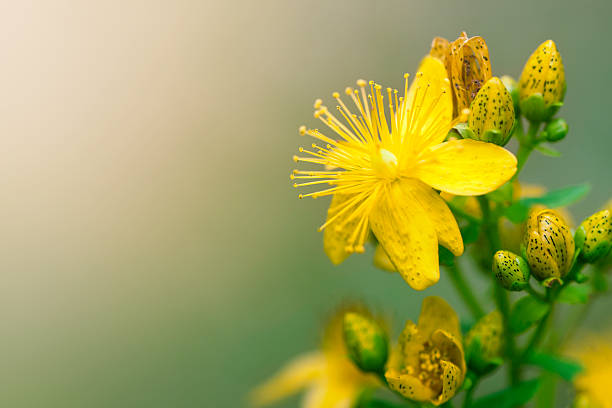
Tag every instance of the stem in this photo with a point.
(534, 293)
(527, 144)
(461, 285)
(469, 395)
(539, 331)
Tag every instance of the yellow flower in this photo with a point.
(331, 379)
(593, 385)
(385, 166)
(429, 363)
(468, 65)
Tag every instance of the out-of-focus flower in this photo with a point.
(491, 115)
(468, 66)
(542, 83)
(384, 168)
(329, 376)
(593, 385)
(367, 342)
(548, 243)
(594, 236)
(485, 342)
(510, 270)
(429, 364)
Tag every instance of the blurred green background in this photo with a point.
(154, 253)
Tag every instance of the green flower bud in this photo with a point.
(548, 244)
(492, 113)
(542, 83)
(511, 271)
(556, 130)
(513, 88)
(485, 343)
(594, 236)
(366, 342)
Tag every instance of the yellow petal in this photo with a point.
(407, 235)
(336, 238)
(451, 348)
(439, 214)
(408, 385)
(465, 167)
(382, 261)
(297, 374)
(440, 48)
(430, 98)
(452, 378)
(436, 314)
(328, 394)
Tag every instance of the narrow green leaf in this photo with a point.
(527, 311)
(574, 294)
(548, 151)
(564, 367)
(562, 197)
(510, 397)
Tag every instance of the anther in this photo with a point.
(361, 82)
(336, 95)
(302, 130)
(317, 103)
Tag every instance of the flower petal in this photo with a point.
(382, 261)
(465, 167)
(407, 235)
(436, 314)
(439, 214)
(451, 348)
(431, 99)
(297, 374)
(452, 378)
(336, 238)
(330, 395)
(408, 385)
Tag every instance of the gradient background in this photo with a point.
(154, 253)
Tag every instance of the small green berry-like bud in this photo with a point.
(542, 83)
(511, 271)
(594, 236)
(492, 113)
(485, 343)
(366, 342)
(513, 89)
(548, 244)
(556, 130)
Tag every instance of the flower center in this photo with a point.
(385, 163)
(429, 369)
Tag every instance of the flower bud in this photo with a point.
(492, 113)
(594, 236)
(513, 88)
(542, 83)
(511, 270)
(556, 130)
(548, 244)
(485, 342)
(366, 342)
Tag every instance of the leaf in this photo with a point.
(464, 131)
(527, 311)
(562, 197)
(503, 194)
(510, 397)
(548, 151)
(574, 294)
(564, 367)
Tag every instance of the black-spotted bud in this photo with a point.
(594, 236)
(485, 343)
(511, 270)
(492, 113)
(542, 83)
(556, 130)
(548, 244)
(513, 88)
(366, 342)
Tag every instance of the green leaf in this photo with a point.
(548, 151)
(562, 197)
(527, 311)
(510, 397)
(564, 367)
(464, 131)
(503, 194)
(573, 294)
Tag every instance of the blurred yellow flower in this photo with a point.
(468, 65)
(429, 364)
(330, 377)
(384, 168)
(594, 384)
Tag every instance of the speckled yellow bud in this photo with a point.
(492, 113)
(548, 244)
(542, 83)
(513, 89)
(594, 236)
(511, 270)
(485, 342)
(366, 342)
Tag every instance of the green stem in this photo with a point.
(527, 144)
(469, 395)
(539, 331)
(458, 279)
(535, 293)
